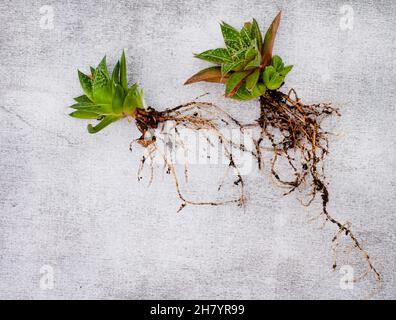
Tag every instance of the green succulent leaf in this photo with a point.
(243, 94)
(86, 84)
(255, 63)
(102, 91)
(231, 37)
(286, 70)
(268, 74)
(92, 71)
(256, 34)
(258, 90)
(239, 55)
(115, 76)
(123, 74)
(235, 81)
(252, 79)
(83, 99)
(232, 66)
(250, 53)
(272, 79)
(218, 56)
(133, 99)
(277, 63)
(245, 34)
(118, 98)
(81, 105)
(84, 115)
(226, 68)
(103, 67)
(103, 124)
(99, 109)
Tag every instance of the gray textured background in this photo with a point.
(71, 200)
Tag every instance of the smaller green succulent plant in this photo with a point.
(274, 74)
(106, 98)
(246, 65)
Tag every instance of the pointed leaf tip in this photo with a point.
(231, 36)
(123, 75)
(269, 40)
(103, 67)
(86, 84)
(212, 74)
(115, 76)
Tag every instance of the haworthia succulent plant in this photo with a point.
(246, 65)
(106, 99)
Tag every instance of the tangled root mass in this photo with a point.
(197, 117)
(289, 129)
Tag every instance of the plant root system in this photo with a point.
(293, 131)
(289, 131)
(198, 117)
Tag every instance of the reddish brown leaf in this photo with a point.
(269, 41)
(235, 82)
(212, 74)
(232, 92)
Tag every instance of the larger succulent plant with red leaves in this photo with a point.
(246, 66)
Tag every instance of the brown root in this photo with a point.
(294, 132)
(195, 116)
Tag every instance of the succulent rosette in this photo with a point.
(246, 65)
(106, 98)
